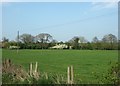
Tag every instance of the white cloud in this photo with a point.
(104, 5)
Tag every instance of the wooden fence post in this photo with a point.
(68, 74)
(46, 76)
(71, 74)
(31, 69)
(36, 67)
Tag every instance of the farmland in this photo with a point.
(86, 63)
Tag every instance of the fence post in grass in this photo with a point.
(68, 74)
(71, 74)
(36, 65)
(31, 69)
(46, 76)
(35, 72)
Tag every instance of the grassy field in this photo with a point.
(86, 63)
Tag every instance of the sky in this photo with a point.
(62, 20)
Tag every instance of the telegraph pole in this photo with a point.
(17, 41)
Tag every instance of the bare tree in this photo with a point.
(82, 39)
(44, 38)
(74, 42)
(110, 38)
(95, 40)
(27, 38)
(110, 41)
(4, 39)
(54, 41)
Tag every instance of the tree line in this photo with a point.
(45, 41)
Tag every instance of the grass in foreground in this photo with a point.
(86, 63)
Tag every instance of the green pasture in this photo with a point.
(86, 63)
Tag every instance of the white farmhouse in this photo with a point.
(59, 46)
(14, 47)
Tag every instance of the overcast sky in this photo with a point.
(63, 20)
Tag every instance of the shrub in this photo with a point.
(112, 77)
